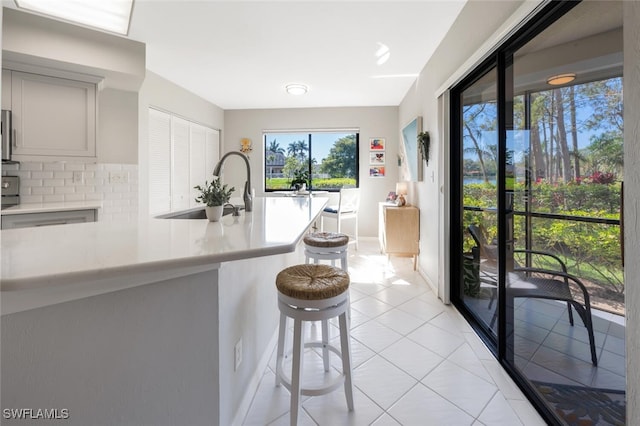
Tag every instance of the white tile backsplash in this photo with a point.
(44, 182)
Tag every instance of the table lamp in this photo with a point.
(402, 188)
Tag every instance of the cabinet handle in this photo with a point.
(15, 138)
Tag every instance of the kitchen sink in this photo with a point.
(197, 213)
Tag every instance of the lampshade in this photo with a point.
(402, 188)
(560, 79)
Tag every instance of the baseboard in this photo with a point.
(431, 285)
(252, 388)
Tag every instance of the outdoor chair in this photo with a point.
(534, 282)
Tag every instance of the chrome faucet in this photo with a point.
(217, 171)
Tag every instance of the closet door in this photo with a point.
(197, 161)
(159, 162)
(180, 192)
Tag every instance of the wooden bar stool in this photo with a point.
(313, 292)
(327, 246)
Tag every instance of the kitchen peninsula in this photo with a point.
(136, 322)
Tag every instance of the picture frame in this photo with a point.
(391, 197)
(376, 144)
(376, 171)
(376, 158)
(413, 159)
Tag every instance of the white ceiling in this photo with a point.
(241, 54)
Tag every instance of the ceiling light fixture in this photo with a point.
(297, 89)
(383, 53)
(109, 15)
(561, 79)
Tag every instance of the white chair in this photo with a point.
(347, 208)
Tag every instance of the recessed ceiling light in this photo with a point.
(383, 53)
(560, 79)
(109, 15)
(297, 89)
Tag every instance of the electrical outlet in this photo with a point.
(78, 177)
(118, 177)
(237, 351)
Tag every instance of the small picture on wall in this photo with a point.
(376, 144)
(376, 171)
(376, 158)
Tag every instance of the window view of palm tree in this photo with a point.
(319, 160)
(572, 168)
(540, 189)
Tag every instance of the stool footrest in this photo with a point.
(312, 391)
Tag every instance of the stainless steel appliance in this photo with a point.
(10, 191)
(7, 136)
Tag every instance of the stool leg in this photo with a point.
(325, 343)
(343, 262)
(296, 372)
(345, 352)
(280, 351)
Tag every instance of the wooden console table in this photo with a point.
(399, 230)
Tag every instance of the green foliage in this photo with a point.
(341, 160)
(300, 176)
(275, 147)
(424, 141)
(590, 250)
(319, 183)
(214, 193)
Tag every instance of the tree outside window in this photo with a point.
(321, 160)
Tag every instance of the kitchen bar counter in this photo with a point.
(43, 266)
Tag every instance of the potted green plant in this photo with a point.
(300, 180)
(424, 140)
(214, 196)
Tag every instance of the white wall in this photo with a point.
(457, 46)
(379, 122)
(167, 96)
(631, 29)
(117, 127)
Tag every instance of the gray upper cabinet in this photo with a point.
(52, 117)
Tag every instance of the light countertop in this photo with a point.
(51, 207)
(106, 254)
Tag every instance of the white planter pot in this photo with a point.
(214, 213)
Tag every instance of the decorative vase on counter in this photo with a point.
(214, 213)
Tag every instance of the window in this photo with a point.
(320, 160)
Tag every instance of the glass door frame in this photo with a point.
(502, 61)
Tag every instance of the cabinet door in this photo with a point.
(53, 116)
(197, 162)
(47, 219)
(180, 191)
(402, 231)
(6, 89)
(159, 162)
(212, 153)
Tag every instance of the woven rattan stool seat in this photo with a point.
(326, 239)
(312, 281)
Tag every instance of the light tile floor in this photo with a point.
(416, 361)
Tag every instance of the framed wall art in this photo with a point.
(412, 154)
(376, 158)
(376, 144)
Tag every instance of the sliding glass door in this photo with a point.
(536, 181)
